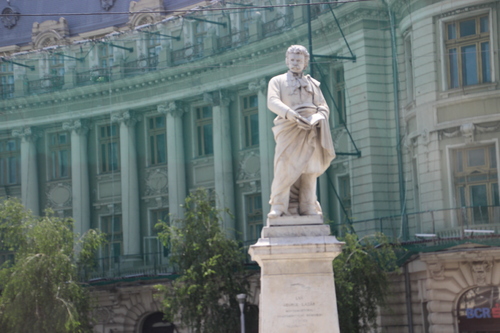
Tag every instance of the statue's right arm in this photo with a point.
(274, 102)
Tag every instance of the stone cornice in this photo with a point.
(119, 89)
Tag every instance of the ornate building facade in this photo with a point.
(115, 116)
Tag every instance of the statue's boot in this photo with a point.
(276, 211)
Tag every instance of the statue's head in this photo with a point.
(296, 51)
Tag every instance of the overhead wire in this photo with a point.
(193, 10)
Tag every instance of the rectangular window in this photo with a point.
(340, 113)
(56, 65)
(6, 80)
(204, 131)
(251, 120)
(106, 56)
(9, 162)
(157, 216)
(109, 148)
(111, 226)
(157, 140)
(59, 155)
(476, 184)
(153, 247)
(467, 45)
(254, 216)
(345, 197)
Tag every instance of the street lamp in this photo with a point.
(241, 301)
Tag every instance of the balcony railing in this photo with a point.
(277, 25)
(93, 76)
(122, 267)
(47, 84)
(187, 53)
(438, 224)
(141, 66)
(233, 40)
(7, 91)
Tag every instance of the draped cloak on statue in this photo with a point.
(298, 151)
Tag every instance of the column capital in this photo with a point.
(79, 126)
(126, 117)
(175, 109)
(259, 85)
(27, 133)
(218, 97)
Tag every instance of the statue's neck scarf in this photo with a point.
(298, 81)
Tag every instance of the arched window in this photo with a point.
(154, 323)
(479, 310)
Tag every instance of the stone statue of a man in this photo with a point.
(304, 147)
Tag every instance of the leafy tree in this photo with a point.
(361, 280)
(40, 289)
(210, 265)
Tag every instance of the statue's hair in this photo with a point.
(298, 49)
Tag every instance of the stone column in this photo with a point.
(175, 158)
(79, 175)
(29, 168)
(266, 143)
(223, 159)
(129, 182)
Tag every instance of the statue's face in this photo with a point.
(296, 62)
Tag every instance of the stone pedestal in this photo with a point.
(297, 285)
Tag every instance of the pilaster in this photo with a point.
(223, 159)
(175, 157)
(79, 174)
(29, 168)
(266, 143)
(129, 182)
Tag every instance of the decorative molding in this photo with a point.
(59, 195)
(250, 187)
(79, 126)
(175, 109)
(467, 131)
(479, 271)
(103, 315)
(27, 133)
(107, 4)
(145, 12)
(249, 166)
(49, 33)
(126, 117)
(436, 270)
(493, 127)
(258, 86)
(10, 16)
(463, 10)
(218, 98)
(156, 181)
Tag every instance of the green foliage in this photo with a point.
(361, 280)
(210, 265)
(40, 288)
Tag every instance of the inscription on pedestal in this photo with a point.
(299, 310)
